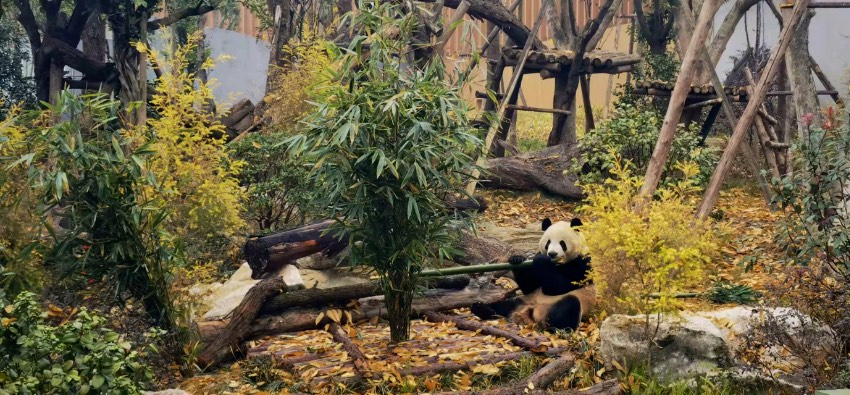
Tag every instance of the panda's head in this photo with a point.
(562, 241)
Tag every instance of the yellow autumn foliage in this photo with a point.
(642, 259)
(191, 163)
(289, 88)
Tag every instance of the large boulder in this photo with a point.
(716, 341)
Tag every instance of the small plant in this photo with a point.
(630, 135)
(660, 250)
(725, 292)
(390, 143)
(75, 357)
(279, 191)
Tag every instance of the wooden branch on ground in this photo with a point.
(344, 294)
(476, 326)
(497, 121)
(301, 319)
(677, 100)
(537, 383)
(353, 351)
(746, 120)
(228, 340)
(451, 27)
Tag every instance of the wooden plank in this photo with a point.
(538, 109)
(747, 118)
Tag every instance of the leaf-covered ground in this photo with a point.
(750, 257)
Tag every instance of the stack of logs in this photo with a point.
(240, 119)
(663, 88)
(593, 61)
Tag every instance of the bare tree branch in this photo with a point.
(27, 20)
(200, 9)
(604, 23)
(641, 18)
(77, 22)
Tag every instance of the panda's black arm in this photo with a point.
(526, 277)
(558, 279)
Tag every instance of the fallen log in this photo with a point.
(475, 326)
(325, 296)
(228, 340)
(301, 319)
(535, 384)
(547, 170)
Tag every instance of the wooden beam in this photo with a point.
(761, 131)
(705, 103)
(728, 111)
(747, 118)
(494, 127)
(538, 109)
(826, 82)
(791, 93)
(677, 101)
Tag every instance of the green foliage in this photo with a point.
(19, 220)
(279, 189)
(93, 177)
(725, 292)
(15, 88)
(814, 198)
(659, 249)
(76, 357)
(639, 381)
(631, 133)
(389, 144)
(197, 178)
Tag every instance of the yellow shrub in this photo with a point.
(191, 161)
(661, 250)
(290, 85)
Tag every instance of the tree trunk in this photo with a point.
(800, 72)
(130, 64)
(563, 126)
(398, 297)
(281, 33)
(94, 38)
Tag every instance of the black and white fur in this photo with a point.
(557, 290)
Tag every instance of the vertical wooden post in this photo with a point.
(677, 101)
(746, 120)
(761, 130)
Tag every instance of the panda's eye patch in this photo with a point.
(563, 246)
(547, 244)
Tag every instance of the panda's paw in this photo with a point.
(516, 259)
(482, 311)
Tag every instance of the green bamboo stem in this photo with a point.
(473, 269)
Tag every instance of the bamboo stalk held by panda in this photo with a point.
(497, 267)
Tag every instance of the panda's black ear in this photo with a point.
(575, 222)
(546, 224)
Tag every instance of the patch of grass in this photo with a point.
(640, 382)
(533, 128)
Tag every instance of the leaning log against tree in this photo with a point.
(305, 318)
(547, 170)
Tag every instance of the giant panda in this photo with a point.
(557, 290)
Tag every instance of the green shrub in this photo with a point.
(75, 357)
(632, 132)
(279, 189)
(93, 177)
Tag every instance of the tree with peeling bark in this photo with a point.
(390, 142)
